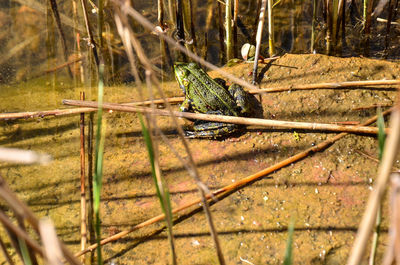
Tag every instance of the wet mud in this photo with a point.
(325, 194)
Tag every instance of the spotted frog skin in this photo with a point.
(210, 96)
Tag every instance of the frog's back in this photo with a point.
(210, 93)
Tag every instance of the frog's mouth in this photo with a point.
(178, 72)
(181, 85)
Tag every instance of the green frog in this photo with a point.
(210, 96)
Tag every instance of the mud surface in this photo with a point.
(325, 194)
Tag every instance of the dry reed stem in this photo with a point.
(91, 43)
(83, 180)
(22, 210)
(5, 252)
(231, 119)
(61, 112)
(374, 159)
(174, 100)
(21, 234)
(50, 242)
(393, 248)
(328, 85)
(391, 149)
(21, 156)
(258, 39)
(233, 186)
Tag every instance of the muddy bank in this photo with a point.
(325, 194)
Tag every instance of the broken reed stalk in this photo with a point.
(230, 119)
(259, 38)
(174, 100)
(83, 181)
(391, 149)
(228, 30)
(22, 209)
(234, 186)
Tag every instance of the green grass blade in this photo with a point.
(24, 252)
(98, 174)
(381, 133)
(150, 151)
(289, 245)
(161, 188)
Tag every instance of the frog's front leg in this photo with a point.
(241, 98)
(186, 105)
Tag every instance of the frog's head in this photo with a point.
(182, 73)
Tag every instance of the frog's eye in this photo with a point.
(185, 82)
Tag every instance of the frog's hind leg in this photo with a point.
(206, 129)
(241, 98)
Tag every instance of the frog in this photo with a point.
(204, 94)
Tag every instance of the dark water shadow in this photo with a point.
(25, 134)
